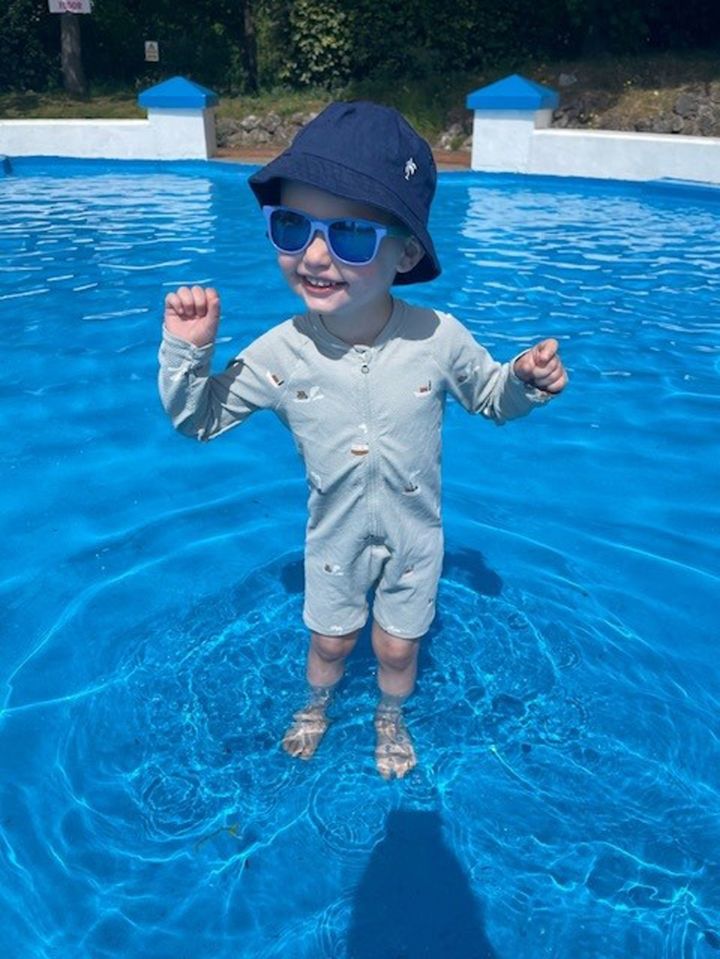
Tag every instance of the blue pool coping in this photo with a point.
(178, 93)
(513, 93)
(33, 166)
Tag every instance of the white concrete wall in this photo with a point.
(501, 139)
(624, 156)
(522, 142)
(167, 134)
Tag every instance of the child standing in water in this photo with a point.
(360, 379)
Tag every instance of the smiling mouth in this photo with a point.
(318, 285)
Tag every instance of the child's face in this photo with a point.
(329, 286)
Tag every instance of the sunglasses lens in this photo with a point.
(289, 231)
(353, 241)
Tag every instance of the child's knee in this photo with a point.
(394, 652)
(332, 648)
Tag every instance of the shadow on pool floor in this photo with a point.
(414, 900)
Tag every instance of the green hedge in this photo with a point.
(235, 46)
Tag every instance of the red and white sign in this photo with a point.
(70, 6)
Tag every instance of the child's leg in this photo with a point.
(326, 657)
(397, 669)
(325, 666)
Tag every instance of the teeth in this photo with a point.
(312, 281)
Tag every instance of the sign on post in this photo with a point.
(70, 6)
(152, 51)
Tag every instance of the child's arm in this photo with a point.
(498, 391)
(201, 405)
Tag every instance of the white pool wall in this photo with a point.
(166, 135)
(180, 125)
(512, 134)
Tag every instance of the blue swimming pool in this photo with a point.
(567, 802)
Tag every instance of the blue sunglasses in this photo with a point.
(350, 240)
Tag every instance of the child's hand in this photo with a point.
(542, 367)
(193, 314)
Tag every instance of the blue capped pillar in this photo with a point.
(181, 117)
(505, 114)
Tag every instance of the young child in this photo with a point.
(360, 379)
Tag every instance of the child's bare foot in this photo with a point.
(307, 729)
(394, 752)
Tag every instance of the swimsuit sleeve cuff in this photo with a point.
(532, 394)
(175, 351)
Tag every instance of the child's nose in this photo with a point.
(317, 250)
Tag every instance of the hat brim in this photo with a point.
(328, 175)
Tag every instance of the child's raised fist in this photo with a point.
(542, 367)
(193, 314)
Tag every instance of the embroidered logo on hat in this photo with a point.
(410, 168)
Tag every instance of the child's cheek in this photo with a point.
(374, 272)
(367, 273)
(288, 266)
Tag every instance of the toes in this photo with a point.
(394, 755)
(295, 746)
(401, 762)
(292, 746)
(396, 766)
(405, 767)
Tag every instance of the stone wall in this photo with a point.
(269, 130)
(692, 111)
(275, 132)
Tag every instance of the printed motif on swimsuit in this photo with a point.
(307, 396)
(276, 380)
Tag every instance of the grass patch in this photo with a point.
(283, 102)
(620, 89)
(118, 105)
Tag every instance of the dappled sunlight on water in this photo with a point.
(566, 711)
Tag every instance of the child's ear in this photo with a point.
(411, 255)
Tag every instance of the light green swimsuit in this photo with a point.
(367, 422)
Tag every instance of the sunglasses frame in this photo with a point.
(323, 227)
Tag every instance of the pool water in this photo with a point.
(567, 801)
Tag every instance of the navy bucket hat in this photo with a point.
(368, 153)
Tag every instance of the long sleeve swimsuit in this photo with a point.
(367, 423)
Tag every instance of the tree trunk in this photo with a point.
(250, 46)
(71, 55)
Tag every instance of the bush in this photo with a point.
(328, 43)
(29, 46)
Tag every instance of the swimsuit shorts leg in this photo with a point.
(407, 590)
(338, 577)
(337, 584)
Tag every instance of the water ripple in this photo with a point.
(566, 711)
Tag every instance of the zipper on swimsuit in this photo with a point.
(365, 355)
